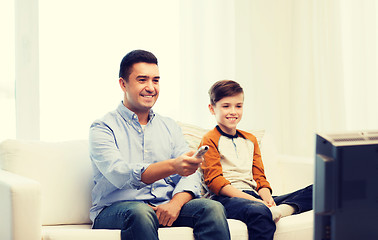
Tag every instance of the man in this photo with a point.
(143, 173)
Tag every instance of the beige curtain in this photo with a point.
(307, 67)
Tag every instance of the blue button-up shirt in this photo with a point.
(120, 151)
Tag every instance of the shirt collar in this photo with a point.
(225, 134)
(127, 114)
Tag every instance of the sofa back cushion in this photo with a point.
(193, 134)
(64, 171)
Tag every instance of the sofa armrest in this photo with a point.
(20, 207)
(295, 173)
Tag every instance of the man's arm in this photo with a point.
(183, 165)
(106, 156)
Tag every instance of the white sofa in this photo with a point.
(45, 191)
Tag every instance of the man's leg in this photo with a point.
(255, 215)
(206, 217)
(136, 220)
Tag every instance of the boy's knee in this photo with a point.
(259, 210)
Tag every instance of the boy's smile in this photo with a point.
(228, 112)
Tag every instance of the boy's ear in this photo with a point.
(211, 108)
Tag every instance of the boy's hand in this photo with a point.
(186, 164)
(270, 202)
(258, 200)
(267, 197)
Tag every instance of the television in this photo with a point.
(346, 186)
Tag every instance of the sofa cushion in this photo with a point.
(193, 134)
(293, 227)
(238, 230)
(64, 171)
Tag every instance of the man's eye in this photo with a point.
(156, 80)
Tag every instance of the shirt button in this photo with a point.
(139, 130)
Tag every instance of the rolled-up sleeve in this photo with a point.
(107, 158)
(191, 184)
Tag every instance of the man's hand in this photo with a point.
(186, 164)
(167, 213)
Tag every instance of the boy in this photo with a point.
(234, 172)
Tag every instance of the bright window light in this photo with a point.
(7, 96)
(81, 46)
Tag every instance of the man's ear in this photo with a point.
(211, 108)
(122, 84)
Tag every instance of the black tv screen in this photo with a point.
(346, 186)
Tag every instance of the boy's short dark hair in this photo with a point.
(135, 56)
(222, 89)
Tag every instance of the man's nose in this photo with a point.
(149, 86)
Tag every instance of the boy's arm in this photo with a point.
(231, 191)
(258, 168)
(267, 197)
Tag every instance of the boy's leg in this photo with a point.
(136, 220)
(206, 217)
(255, 215)
(301, 200)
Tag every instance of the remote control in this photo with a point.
(201, 151)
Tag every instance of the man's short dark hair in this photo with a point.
(222, 89)
(135, 56)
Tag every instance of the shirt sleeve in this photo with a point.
(212, 167)
(191, 184)
(258, 168)
(107, 158)
(180, 145)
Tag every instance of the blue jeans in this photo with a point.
(138, 221)
(258, 217)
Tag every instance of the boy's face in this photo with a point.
(228, 112)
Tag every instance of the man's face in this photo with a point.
(228, 112)
(142, 89)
